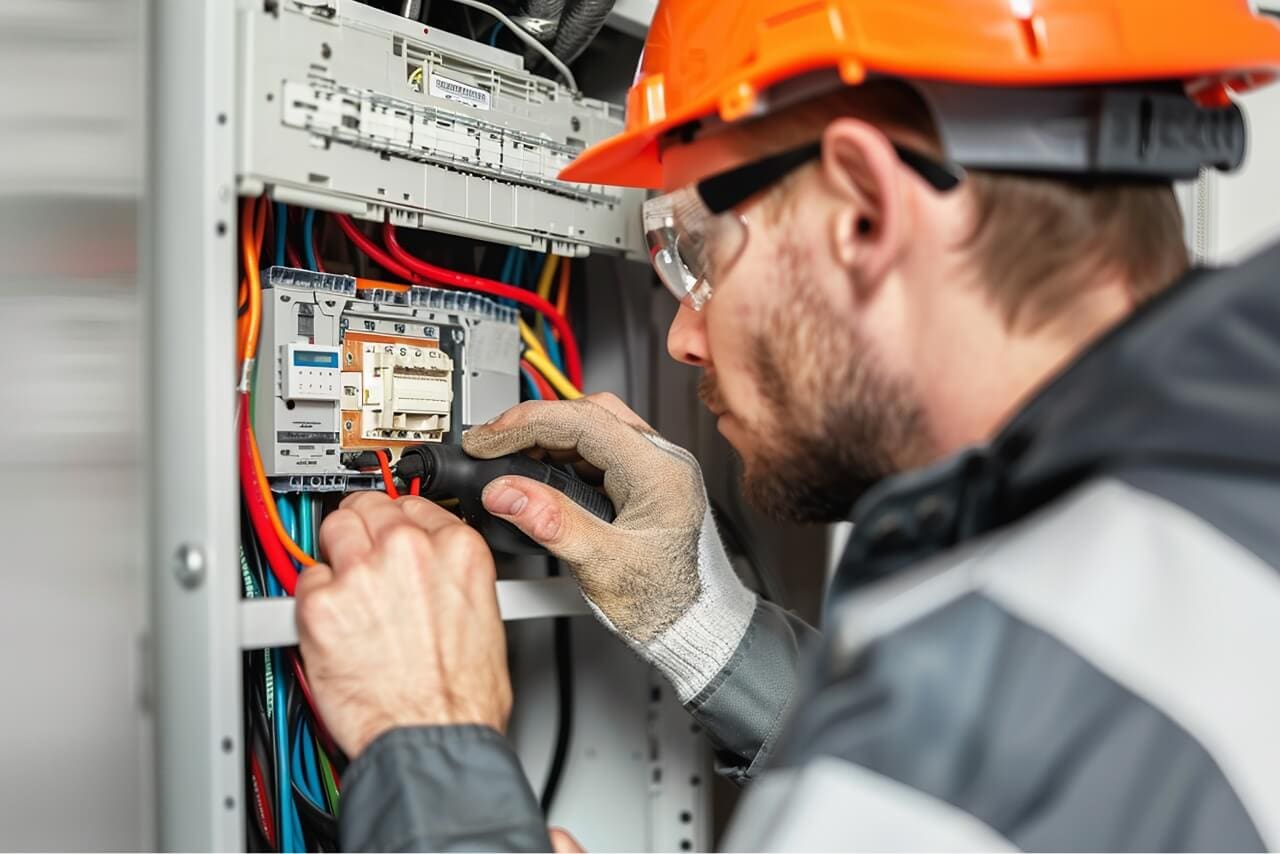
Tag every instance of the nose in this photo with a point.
(687, 338)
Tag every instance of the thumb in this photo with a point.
(548, 516)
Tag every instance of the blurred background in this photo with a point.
(74, 125)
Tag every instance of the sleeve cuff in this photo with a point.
(440, 788)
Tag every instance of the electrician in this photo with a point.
(932, 268)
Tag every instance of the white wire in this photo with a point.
(524, 36)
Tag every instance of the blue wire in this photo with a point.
(306, 530)
(304, 765)
(282, 223)
(284, 797)
(300, 846)
(311, 765)
(290, 826)
(530, 386)
(288, 518)
(308, 238)
(508, 265)
(493, 34)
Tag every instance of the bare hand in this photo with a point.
(402, 628)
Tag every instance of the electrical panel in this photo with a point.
(351, 109)
(347, 365)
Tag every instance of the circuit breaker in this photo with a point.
(352, 365)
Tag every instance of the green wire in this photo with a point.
(326, 774)
(250, 583)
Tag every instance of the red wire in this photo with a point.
(373, 250)
(415, 486)
(387, 477)
(544, 387)
(441, 275)
(292, 254)
(265, 818)
(277, 558)
(413, 269)
(326, 740)
(315, 247)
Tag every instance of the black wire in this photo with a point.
(563, 641)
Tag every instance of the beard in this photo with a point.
(836, 422)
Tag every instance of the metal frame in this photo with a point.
(193, 557)
(199, 623)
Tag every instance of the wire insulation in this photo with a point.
(524, 36)
(441, 275)
(309, 240)
(388, 479)
(566, 389)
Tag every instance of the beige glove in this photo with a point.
(658, 576)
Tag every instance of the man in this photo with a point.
(932, 267)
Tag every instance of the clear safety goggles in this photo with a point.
(696, 233)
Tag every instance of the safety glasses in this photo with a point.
(696, 230)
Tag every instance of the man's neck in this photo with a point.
(1002, 368)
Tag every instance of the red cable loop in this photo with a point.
(441, 275)
(277, 558)
(373, 250)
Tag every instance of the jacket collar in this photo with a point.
(1191, 379)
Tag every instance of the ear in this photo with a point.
(860, 168)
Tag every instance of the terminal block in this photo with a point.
(357, 367)
(363, 112)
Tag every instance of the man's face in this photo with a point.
(802, 389)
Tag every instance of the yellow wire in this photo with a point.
(416, 76)
(558, 380)
(530, 340)
(544, 286)
(548, 273)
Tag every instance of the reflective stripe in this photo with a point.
(1166, 605)
(833, 805)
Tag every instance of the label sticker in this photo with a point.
(452, 90)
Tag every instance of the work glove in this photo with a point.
(658, 576)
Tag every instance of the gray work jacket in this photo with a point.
(1068, 639)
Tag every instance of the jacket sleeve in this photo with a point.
(440, 788)
(744, 705)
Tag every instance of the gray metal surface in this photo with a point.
(191, 276)
(366, 112)
(266, 623)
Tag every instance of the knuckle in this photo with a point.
(362, 500)
(315, 607)
(546, 522)
(406, 538)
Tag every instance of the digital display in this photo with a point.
(315, 359)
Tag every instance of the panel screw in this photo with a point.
(189, 566)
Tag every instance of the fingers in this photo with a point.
(427, 515)
(344, 537)
(377, 510)
(562, 842)
(584, 426)
(313, 578)
(548, 517)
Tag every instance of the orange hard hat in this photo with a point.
(722, 58)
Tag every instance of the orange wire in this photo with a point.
(387, 477)
(249, 249)
(562, 295)
(251, 232)
(371, 284)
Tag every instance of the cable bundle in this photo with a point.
(293, 768)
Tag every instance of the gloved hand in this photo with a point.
(658, 576)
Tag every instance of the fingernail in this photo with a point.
(504, 500)
(493, 420)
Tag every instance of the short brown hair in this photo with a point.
(1039, 240)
